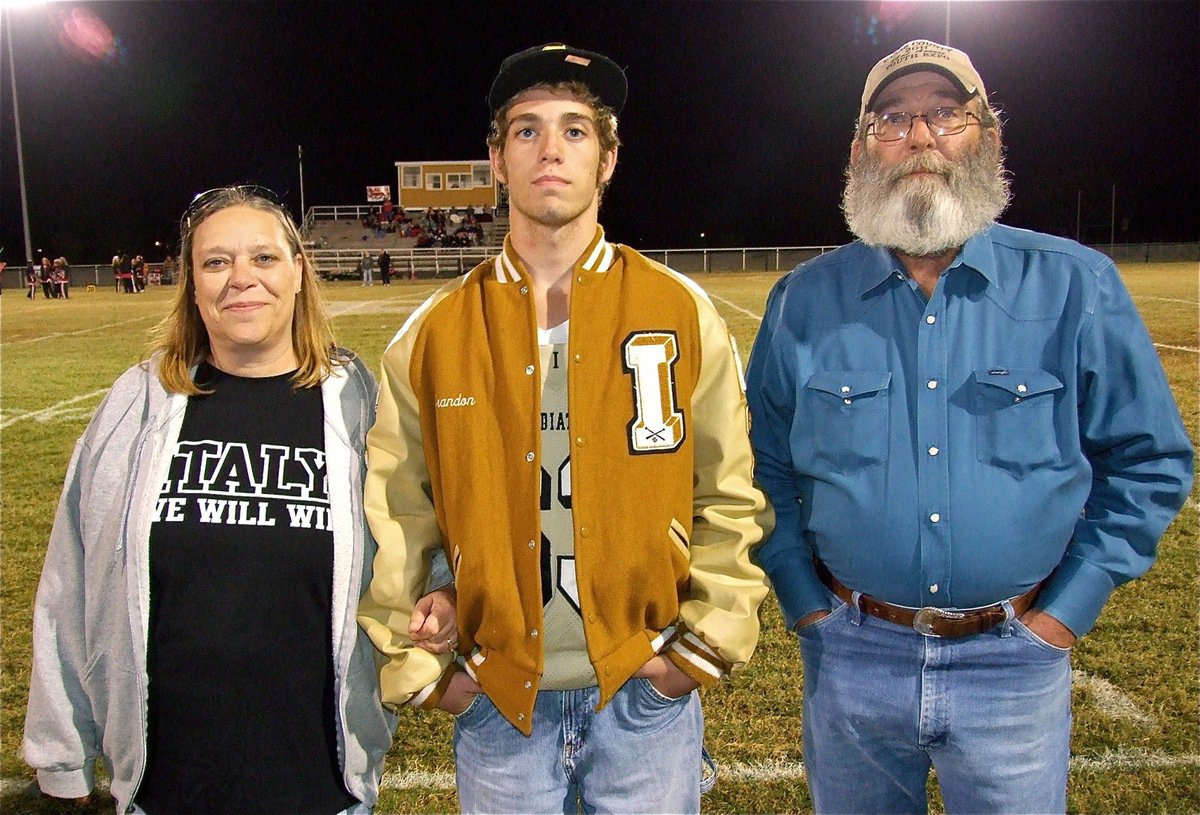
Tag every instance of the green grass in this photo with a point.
(1143, 757)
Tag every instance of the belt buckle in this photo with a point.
(925, 619)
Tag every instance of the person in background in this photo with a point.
(31, 280)
(46, 278)
(61, 279)
(969, 441)
(169, 270)
(567, 422)
(385, 267)
(219, 481)
(138, 266)
(365, 267)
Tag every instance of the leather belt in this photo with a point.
(930, 621)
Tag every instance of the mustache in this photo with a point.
(928, 162)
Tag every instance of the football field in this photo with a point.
(1136, 741)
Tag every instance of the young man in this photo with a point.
(970, 443)
(568, 422)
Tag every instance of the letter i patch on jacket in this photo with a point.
(657, 424)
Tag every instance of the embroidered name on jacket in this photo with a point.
(455, 401)
(657, 424)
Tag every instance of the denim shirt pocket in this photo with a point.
(847, 417)
(1014, 419)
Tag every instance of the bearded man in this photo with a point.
(969, 442)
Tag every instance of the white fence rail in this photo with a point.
(431, 263)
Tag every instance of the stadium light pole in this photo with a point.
(300, 160)
(12, 74)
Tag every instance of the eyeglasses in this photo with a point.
(941, 121)
(203, 201)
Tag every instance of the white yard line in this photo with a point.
(736, 307)
(1109, 699)
(1177, 347)
(47, 413)
(762, 771)
(80, 331)
(1167, 299)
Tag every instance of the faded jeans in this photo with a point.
(991, 713)
(641, 753)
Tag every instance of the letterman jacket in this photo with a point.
(88, 688)
(663, 506)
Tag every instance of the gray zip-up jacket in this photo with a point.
(87, 694)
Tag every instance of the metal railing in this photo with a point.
(448, 262)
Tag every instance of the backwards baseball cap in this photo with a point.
(556, 62)
(923, 55)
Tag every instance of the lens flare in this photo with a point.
(86, 36)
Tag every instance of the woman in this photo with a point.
(46, 277)
(210, 528)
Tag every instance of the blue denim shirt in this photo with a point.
(1015, 427)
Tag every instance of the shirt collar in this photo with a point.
(975, 254)
(598, 257)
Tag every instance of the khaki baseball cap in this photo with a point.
(923, 55)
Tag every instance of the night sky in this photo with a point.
(738, 123)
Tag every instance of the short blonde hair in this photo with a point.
(181, 339)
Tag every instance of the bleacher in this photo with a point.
(336, 239)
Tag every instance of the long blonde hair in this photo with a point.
(181, 338)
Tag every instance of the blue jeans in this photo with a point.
(882, 703)
(641, 753)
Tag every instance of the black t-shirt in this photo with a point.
(241, 710)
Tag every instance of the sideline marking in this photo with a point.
(736, 307)
(1177, 347)
(1110, 700)
(47, 413)
(80, 331)
(1167, 299)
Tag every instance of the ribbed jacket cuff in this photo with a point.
(429, 696)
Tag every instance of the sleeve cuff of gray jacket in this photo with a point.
(68, 783)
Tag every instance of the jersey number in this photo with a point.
(657, 425)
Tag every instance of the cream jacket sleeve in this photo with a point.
(731, 516)
(400, 511)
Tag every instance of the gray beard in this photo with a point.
(925, 215)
